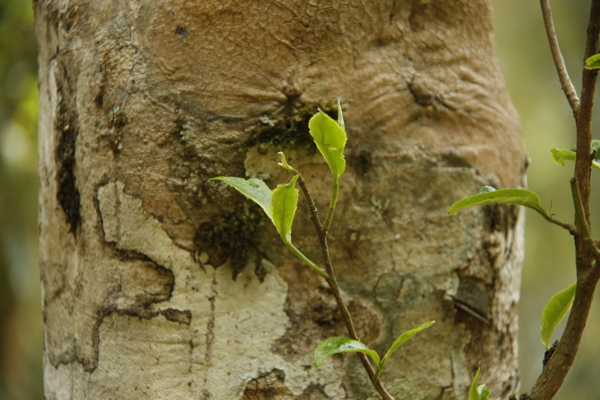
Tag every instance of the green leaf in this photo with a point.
(330, 139)
(593, 62)
(488, 195)
(555, 311)
(480, 392)
(562, 155)
(335, 345)
(283, 208)
(254, 189)
(403, 338)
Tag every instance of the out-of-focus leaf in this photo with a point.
(488, 195)
(562, 155)
(335, 345)
(478, 392)
(556, 309)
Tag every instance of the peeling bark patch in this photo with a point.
(183, 317)
(422, 95)
(268, 386)
(68, 195)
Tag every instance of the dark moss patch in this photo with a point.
(233, 236)
(292, 129)
(362, 162)
(270, 385)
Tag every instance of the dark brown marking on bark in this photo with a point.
(182, 316)
(472, 298)
(68, 194)
(181, 32)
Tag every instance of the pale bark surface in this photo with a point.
(143, 101)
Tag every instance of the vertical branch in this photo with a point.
(583, 162)
(559, 61)
(588, 268)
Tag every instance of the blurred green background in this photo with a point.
(547, 122)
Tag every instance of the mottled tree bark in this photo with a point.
(159, 284)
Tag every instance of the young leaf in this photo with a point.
(562, 155)
(555, 311)
(335, 345)
(403, 338)
(330, 139)
(341, 116)
(283, 208)
(480, 392)
(593, 62)
(488, 195)
(254, 189)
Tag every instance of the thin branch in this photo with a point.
(333, 285)
(559, 61)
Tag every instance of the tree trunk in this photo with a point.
(159, 284)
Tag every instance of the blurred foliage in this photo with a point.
(535, 90)
(20, 313)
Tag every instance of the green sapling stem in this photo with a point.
(580, 219)
(334, 196)
(306, 261)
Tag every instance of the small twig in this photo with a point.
(559, 61)
(332, 281)
(555, 221)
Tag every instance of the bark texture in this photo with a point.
(159, 284)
